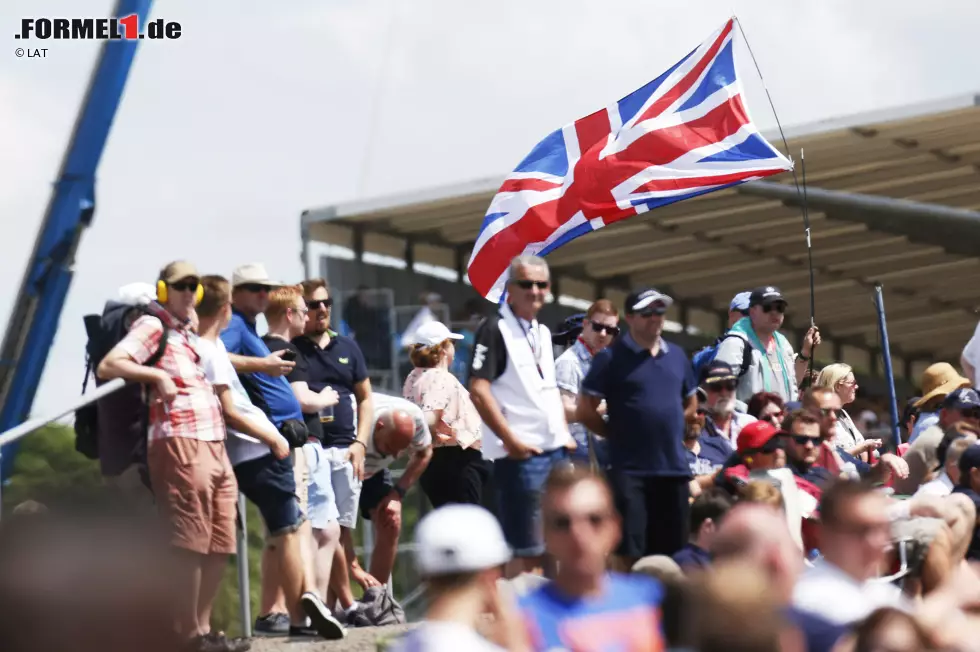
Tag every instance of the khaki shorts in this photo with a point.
(196, 492)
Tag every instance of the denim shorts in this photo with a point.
(271, 485)
(519, 484)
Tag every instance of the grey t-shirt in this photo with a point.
(731, 350)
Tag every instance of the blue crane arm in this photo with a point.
(34, 319)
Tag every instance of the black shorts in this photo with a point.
(455, 475)
(271, 485)
(373, 491)
(655, 513)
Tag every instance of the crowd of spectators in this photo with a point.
(620, 495)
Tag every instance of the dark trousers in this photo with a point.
(455, 475)
(655, 513)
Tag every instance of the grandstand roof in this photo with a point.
(893, 198)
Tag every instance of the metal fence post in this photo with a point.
(244, 591)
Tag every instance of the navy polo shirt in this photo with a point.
(341, 365)
(645, 405)
(714, 454)
(272, 395)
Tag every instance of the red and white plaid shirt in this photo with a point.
(195, 413)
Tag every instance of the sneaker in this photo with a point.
(272, 625)
(321, 619)
(218, 642)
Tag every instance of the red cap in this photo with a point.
(755, 435)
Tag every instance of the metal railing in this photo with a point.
(241, 561)
(32, 425)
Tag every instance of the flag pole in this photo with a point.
(886, 355)
(801, 193)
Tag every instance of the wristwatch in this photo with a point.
(401, 492)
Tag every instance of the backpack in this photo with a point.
(706, 356)
(114, 428)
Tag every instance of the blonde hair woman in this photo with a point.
(839, 378)
(457, 472)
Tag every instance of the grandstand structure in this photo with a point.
(893, 196)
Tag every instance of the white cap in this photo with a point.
(252, 273)
(459, 539)
(432, 333)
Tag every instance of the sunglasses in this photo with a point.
(778, 307)
(563, 522)
(319, 303)
(602, 328)
(802, 440)
(768, 448)
(525, 284)
(717, 387)
(829, 412)
(255, 288)
(185, 286)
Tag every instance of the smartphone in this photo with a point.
(289, 355)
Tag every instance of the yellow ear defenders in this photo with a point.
(162, 292)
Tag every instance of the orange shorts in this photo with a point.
(196, 492)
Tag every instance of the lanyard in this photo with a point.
(533, 343)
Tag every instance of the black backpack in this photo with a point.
(703, 358)
(121, 418)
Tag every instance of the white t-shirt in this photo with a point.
(972, 354)
(941, 486)
(383, 403)
(826, 591)
(431, 636)
(219, 370)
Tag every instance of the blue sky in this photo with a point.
(263, 109)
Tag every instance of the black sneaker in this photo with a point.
(272, 625)
(321, 620)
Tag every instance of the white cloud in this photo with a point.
(261, 110)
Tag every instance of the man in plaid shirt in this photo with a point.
(190, 474)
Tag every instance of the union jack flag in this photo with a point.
(684, 134)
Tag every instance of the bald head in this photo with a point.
(758, 534)
(394, 432)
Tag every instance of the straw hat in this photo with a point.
(939, 380)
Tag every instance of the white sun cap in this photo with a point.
(459, 539)
(432, 333)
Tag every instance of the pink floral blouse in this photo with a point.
(434, 389)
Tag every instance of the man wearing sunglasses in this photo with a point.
(599, 328)
(513, 387)
(719, 384)
(586, 607)
(774, 367)
(190, 474)
(649, 387)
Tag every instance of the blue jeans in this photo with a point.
(519, 484)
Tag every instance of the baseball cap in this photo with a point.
(718, 372)
(432, 333)
(969, 461)
(459, 539)
(177, 271)
(755, 435)
(766, 295)
(252, 274)
(965, 398)
(740, 302)
(647, 300)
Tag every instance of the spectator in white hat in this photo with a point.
(459, 552)
(457, 472)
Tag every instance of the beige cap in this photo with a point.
(177, 271)
(252, 273)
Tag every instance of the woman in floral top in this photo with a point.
(457, 472)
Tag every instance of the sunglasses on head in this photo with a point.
(778, 307)
(525, 284)
(185, 286)
(255, 288)
(602, 328)
(319, 303)
(563, 522)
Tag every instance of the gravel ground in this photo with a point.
(359, 639)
